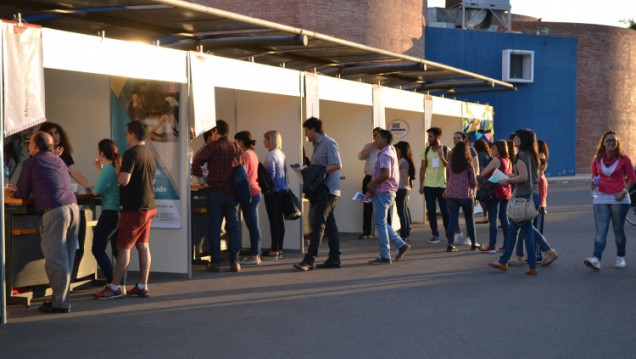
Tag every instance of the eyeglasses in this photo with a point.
(610, 141)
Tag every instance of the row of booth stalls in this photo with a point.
(92, 82)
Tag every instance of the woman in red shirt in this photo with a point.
(615, 179)
(250, 214)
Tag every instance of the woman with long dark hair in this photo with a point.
(407, 175)
(526, 179)
(107, 188)
(461, 181)
(613, 176)
(244, 140)
(498, 204)
(63, 148)
(484, 157)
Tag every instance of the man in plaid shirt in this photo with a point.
(382, 190)
(221, 155)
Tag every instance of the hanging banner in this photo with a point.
(156, 104)
(312, 100)
(202, 90)
(428, 112)
(379, 116)
(477, 121)
(23, 76)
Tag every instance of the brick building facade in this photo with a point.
(391, 25)
(606, 83)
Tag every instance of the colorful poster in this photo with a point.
(23, 76)
(477, 122)
(157, 104)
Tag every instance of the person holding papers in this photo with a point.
(499, 202)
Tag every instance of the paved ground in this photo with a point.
(432, 305)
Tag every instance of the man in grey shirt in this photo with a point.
(322, 219)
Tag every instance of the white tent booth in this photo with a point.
(80, 92)
(259, 98)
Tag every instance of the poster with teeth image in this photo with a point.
(157, 105)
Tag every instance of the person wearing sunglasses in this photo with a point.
(613, 176)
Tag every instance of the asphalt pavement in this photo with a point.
(432, 304)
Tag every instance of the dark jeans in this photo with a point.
(106, 231)
(274, 207)
(250, 215)
(467, 205)
(367, 210)
(497, 208)
(432, 194)
(219, 206)
(402, 202)
(322, 220)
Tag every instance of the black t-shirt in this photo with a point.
(139, 193)
(67, 158)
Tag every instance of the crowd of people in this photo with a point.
(451, 179)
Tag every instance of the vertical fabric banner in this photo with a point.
(477, 122)
(22, 76)
(428, 112)
(312, 100)
(202, 89)
(157, 105)
(379, 112)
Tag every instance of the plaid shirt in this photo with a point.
(387, 159)
(221, 157)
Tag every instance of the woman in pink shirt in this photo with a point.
(615, 179)
(245, 141)
(460, 185)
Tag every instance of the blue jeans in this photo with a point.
(431, 194)
(402, 201)
(603, 213)
(323, 221)
(467, 205)
(381, 204)
(526, 230)
(219, 206)
(250, 215)
(497, 208)
(106, 231)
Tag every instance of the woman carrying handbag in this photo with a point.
(526, 179)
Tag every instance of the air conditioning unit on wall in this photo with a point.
(517, 66)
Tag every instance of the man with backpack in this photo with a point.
(433, 179)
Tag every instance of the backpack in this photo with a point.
(265, 181)
(444, 148)
(241, 181)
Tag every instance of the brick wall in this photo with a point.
(606, 84)
(391, 25)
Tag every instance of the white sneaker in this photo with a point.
(457, 237)
(620, 262)
(467, 242)
(593, 263)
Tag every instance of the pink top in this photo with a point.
(387, 158)
(543, 191)
(615, 182)
(459, 185)
(251, 167)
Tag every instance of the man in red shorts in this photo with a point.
(136, 193)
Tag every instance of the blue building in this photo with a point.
(547, 105)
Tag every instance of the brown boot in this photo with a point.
(532, 272)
